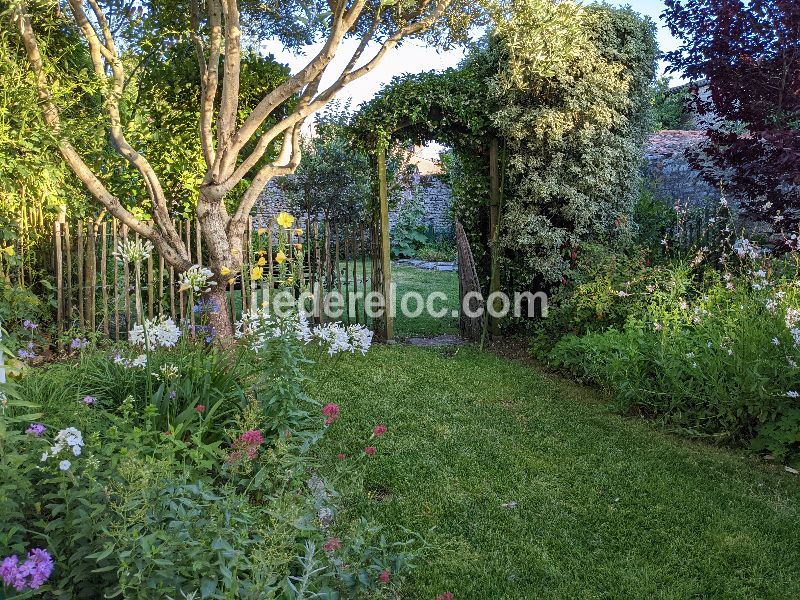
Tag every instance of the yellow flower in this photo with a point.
(289, 280)
(9, 250)
(261, 261)
(257, 272)
(280, 257)
(231, 281)
(261, 231)
(298, 231)
(298, 246)
(184, 287)
(224, 271)
(285, 220)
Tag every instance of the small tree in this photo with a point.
(750, 54)
(233, 147)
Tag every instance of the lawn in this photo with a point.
(606, 507)
(409, 279)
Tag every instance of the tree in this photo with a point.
(233, 146)
(750, 54)
(570, 131)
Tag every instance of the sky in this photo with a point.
(415, 57)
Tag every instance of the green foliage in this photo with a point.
(408, 233)
(710, 355)
(668, 107)
(162, 500)
(571, 126)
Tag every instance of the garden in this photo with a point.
(245, 352)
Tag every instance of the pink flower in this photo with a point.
(247, 443)
(445, 596)
(341, 456)
(384, 577)
(370, 450)
(200, 408)
(332, 544)
(89, 400)
(379, 430)
(331, 412)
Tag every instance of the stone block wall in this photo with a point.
(432, 191)
(670, 176)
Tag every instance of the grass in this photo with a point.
(409, 279)
(606, 507)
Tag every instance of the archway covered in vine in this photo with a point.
(546, 153)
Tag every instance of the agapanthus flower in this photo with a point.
(79, 343)
(28, 324)
(197, 279)
(89, 400)
(160, 332)
(133, 251)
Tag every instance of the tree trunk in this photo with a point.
(220, 319)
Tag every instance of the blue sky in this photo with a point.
(415, 57)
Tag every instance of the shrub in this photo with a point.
(712, 355)
(209, 492)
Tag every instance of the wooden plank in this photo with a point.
(161, 273)
(117, 290)
(363, 268)
(151, 296)
(80, 267)
(386, 264)
(181, 295)
(126, 283)
(91, 275)
(104, 274)
(190, 296)
(248, 255)
(59, 277)
(68, 273)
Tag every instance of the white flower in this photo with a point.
(134, 251)
(64, 465)
(167, 372)
(66, 438)
(197, 279)
(657, 326)
(622, 293)
(45, 456)
(139, 361)
(792, 394)
(160, 332)
(776, 342)
(792, 317)
(745, 248)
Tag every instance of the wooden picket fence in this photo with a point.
(95, 292)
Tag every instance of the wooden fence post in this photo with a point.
(386, 258)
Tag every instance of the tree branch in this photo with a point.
(107, 50)
(72, 157)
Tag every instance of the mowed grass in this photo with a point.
(409, 279)
(606, 507)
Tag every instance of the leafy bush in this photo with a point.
(711, 354)
(183, 472)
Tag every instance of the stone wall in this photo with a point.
(437, 201)
(432, 191)
(670, 176)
